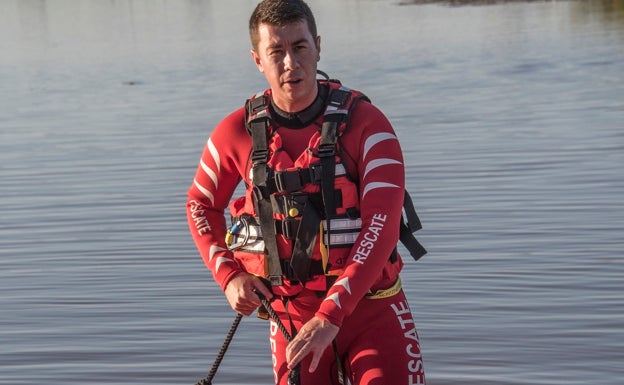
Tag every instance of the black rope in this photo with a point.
(293, 376)
(273, 315)
(208, 379)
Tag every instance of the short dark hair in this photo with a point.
(280, 13)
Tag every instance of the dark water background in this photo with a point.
(511, 116)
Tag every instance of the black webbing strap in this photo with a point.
(334, 116)
(409, 224)
(258, 126)
(265, 212)
(327, 153)
(303, 247)
(413, 222)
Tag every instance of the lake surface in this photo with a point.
(511, 117)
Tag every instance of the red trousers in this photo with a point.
(377, 344)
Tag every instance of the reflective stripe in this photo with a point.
(344, 231)
(246, 236)
(256, 247)
(341, 239)
(340, 224)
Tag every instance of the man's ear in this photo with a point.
(318, 47)
(256, 59)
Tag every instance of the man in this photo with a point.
(317, 229)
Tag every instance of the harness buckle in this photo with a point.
(316, 173)
(326, 150)
(288, 181)
(276, 280)
(258, 156)
(339, 97)
(258, 105)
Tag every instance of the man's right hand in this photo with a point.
(240, 293)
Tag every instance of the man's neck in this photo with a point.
(304, 117)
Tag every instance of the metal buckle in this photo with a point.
(276, 280)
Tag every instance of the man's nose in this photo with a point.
(290, 60)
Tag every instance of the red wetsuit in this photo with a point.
(377, 342)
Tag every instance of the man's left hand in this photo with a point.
(315, 336)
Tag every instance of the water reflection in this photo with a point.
(510, 116)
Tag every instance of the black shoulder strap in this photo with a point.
(258, 118)
(335, 114)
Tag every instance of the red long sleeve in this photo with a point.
(222, 163)
(375, 149)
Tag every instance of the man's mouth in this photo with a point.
(293, 81)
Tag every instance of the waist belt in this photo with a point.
(385, 293)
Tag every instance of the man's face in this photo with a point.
(287, 56)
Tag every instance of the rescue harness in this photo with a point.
(306, 215)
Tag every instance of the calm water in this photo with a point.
(512, 122)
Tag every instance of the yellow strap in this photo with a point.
(385, 293)
(323, 247)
